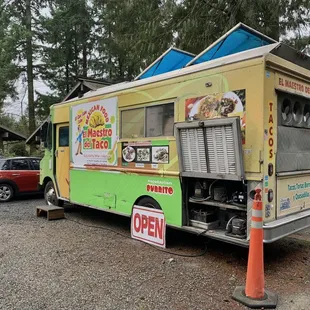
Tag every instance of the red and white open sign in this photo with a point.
(148, 225)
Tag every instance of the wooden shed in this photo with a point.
(8, 135)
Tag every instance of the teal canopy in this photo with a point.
(171, 60)
(238, 39)
(241, 38)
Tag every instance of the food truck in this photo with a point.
(194, 136)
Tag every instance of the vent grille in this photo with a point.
(193, 147)
(221, 150)
(211, 149)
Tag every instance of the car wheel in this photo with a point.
(6, 192)
(51, 196)
(149, 203)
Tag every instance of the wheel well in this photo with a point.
(11, 183)
(145, 196)
(45, 181)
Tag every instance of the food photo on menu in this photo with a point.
(129, 154)
(160, 155)
(144, 154)
(218, 105)
(215, 105)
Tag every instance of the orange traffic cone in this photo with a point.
(254, 294)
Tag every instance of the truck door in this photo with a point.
(62, 156)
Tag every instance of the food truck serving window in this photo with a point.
(132, 122)
(153, 121)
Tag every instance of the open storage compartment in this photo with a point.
(211, 167)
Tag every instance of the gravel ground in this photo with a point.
(65, 265)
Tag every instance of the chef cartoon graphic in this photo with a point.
(79, 141)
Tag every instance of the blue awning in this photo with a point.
(238, 39)
(171, 60)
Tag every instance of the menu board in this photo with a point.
(144, 153)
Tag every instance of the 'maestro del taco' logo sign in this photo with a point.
(94, 133)
(98, 132)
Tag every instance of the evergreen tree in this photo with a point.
(23, 28)
(130, 35)
(67, 44)
(199, 23)
(117, 39)
(9, 70)
(42, 105)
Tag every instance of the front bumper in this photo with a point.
(288, 225)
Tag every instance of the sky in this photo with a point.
(17, 107)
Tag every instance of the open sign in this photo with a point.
(148, 225)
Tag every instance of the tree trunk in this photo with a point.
(29, 57)
(120, 69)
(84, 42)
(67, 77)
(67, 42)
(275, 26)
(110, 57)
(84, 58)
(76, 54)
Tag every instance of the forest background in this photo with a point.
(45, 45)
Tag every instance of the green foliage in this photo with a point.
(68, 44)
(19, 126)
(23, 27)
(42, 105)
(116, 39)
(199, 23)
(18, 149)
(9, 71)
(39, 152)
(301, 43)
(130, 36)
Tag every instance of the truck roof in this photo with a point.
(246, 55)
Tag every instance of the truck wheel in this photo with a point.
(51, 196)
(149, 203)
(6, 192)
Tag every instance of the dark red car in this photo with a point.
(18, 175)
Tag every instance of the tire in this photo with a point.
(50, 195)
(6, 192)
(149, 203)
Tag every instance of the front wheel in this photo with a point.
(6, 192)
(149, 203)
(51, 196)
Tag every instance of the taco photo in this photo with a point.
(160, 155)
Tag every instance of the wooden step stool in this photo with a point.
(52, 212)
